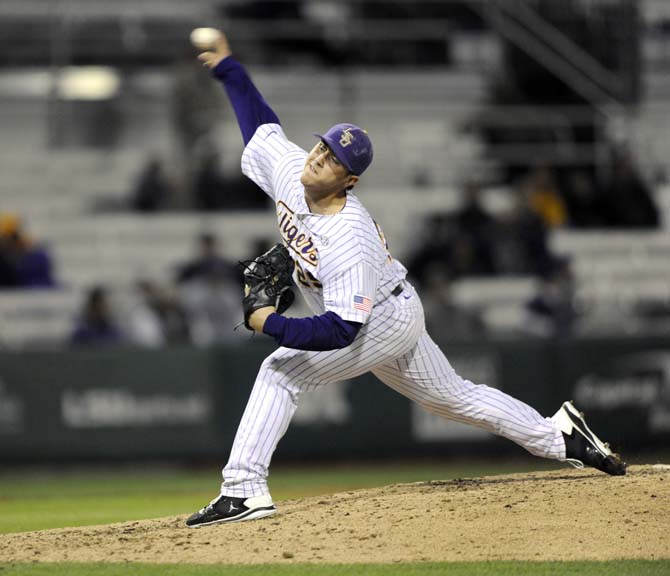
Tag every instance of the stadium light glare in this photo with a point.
(88, 83)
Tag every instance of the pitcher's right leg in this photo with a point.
(283, 376)
(268, 413)
(286, 373)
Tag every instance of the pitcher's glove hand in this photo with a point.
(267, 282)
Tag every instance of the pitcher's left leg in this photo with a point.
(426, 376)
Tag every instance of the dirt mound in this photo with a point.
(561, 515)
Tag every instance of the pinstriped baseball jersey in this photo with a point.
(342, 261)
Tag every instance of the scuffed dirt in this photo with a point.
(560, 515)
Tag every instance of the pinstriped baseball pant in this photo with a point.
(396, 348)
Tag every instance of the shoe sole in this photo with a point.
(253, 514)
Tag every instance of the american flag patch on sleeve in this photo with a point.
(362, 303)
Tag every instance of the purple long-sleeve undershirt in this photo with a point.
(249, 105)
(325, 332)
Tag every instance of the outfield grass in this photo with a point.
(39, 500)
(614, 568)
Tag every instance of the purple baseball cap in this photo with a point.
(351, 145)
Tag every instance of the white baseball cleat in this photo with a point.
(582, 446)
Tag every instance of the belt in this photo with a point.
(397, 291)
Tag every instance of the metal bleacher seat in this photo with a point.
(500, 290)
(618, 266)
(119, 249)
(501, 301)
(37, 316)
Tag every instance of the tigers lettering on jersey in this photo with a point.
(301, 243)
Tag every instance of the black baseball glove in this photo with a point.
(267, 282)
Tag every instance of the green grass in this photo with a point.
(613, 568)
(36, 500)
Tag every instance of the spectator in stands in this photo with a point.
(24, 264)
(157, 318)
(214, 191)
(152, 189)
(212, 308)
(443, 315)
(551, 312)
(209, 185)
(96, 325)
(209, 291)
(438, 232)
(463, 242)
(481, 228)
(8, 277)
(208, 262)
(544, 196)
(523, 247)
(584, 202)
(629, 200)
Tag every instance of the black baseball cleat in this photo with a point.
(583, 447)
(231, 509)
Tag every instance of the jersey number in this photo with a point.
(306, 278)
(383, 239)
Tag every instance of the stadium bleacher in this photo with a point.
(419, 117)
(611, 268)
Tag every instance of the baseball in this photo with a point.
(204, 38)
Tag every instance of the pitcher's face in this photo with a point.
(323, 172)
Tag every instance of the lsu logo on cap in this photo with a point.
(346, 138)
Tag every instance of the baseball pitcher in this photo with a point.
(367, 316)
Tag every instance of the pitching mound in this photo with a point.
(562, 515)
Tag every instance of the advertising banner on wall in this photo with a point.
(112, 403)
(186, 403)
(624, 387)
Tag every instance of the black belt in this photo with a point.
(397, 291)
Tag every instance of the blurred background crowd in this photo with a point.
(520, 168)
